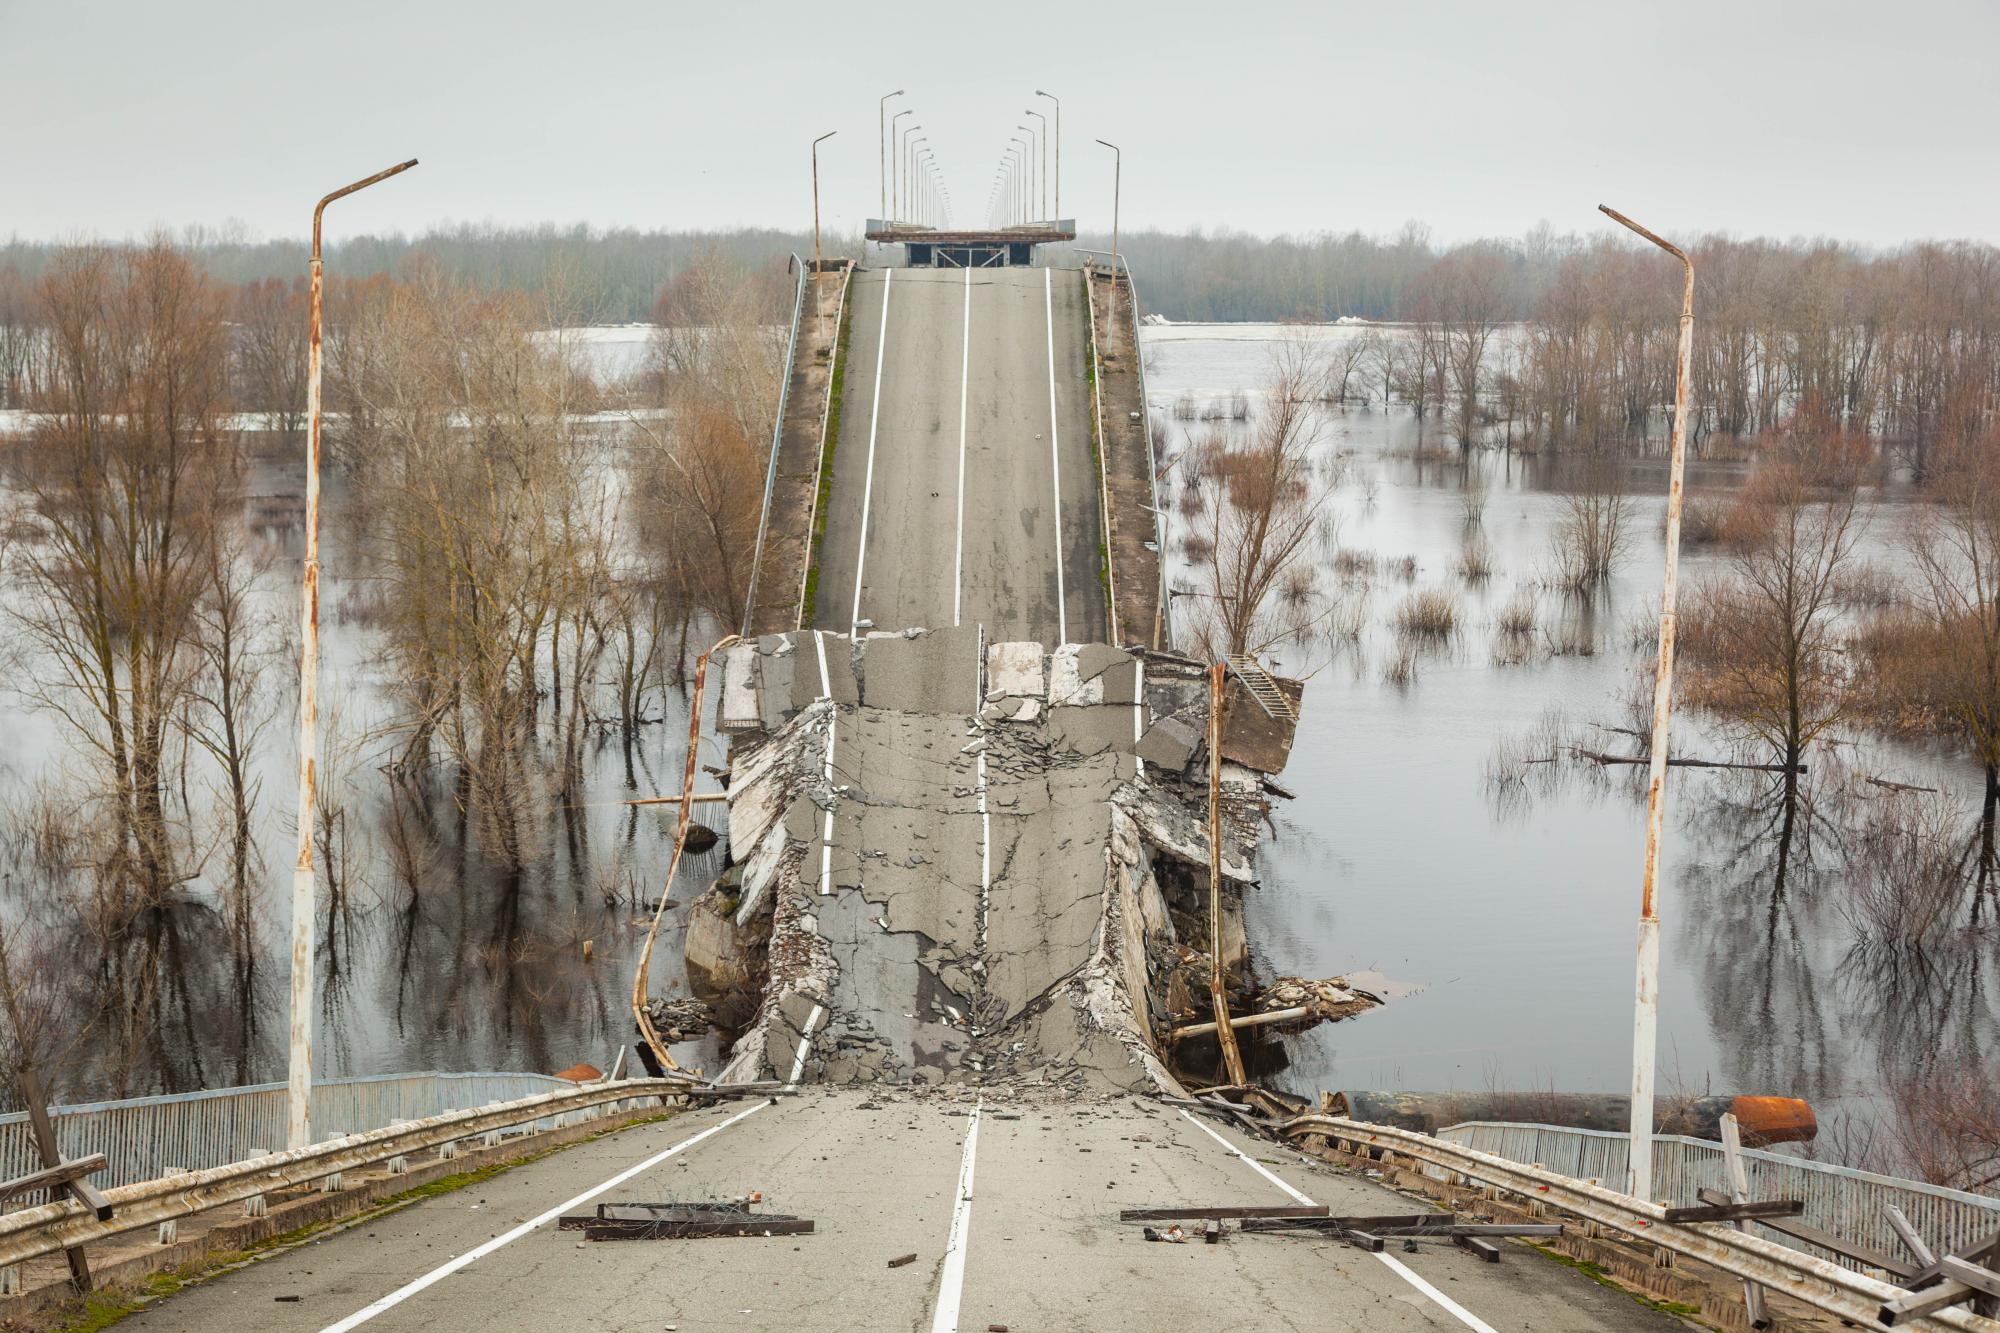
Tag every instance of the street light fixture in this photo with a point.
(1646, 995)
(298, 1093)
(1058, 101)
(882, 149)
(1029, 130)
(910, 141)
(1042, 176)
(1026, 164)
(1117, 176)
(819, 313)
(896, 133)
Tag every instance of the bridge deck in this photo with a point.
(972, 376)
(879, 1174)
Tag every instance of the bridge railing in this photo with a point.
(1841, 1200)
(143, 1137)
(45, 1228)
(1854, 1295)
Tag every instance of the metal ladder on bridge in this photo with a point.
(1263, 687)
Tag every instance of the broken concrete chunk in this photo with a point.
(1168, 743)
(1014, 669)
(738, 707)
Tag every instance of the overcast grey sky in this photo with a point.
(1873, 122)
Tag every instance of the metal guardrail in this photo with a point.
(1821, 1283)
(777, 437)
(49, 1227)
(1841, 1200)
(142, 1137)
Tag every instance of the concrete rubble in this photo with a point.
(969, 861)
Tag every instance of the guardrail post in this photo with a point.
(10, 1280)
(400, 1163)
(332, 1183)
(170, 1230)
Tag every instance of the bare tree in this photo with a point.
(1262, 513)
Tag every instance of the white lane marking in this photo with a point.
(951, 1282)
(874, 419)
(805, 1044)
(1450, 1306)
(1055, 454)
(964, 379)
(442, 1271)
(1138, 709)
(1444, 1302)
(1250, 1162)
(832, 735)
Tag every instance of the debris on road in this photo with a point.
(682, 1221)
(902, 1260)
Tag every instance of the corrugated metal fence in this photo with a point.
(1838, 1199)
(142, 1137)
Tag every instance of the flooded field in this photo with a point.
(1419, 847)
(1513, 904)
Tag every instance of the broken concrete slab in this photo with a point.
(928, 671)
(1015, 669)
(737, 708)
(1170, 743)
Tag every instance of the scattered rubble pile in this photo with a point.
(679, 1020)
(955, 860)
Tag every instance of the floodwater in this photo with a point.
(1514, 918)
(1517, 917)
(442, 964)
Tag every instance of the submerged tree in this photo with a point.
(1260, 512)
(1762, 648)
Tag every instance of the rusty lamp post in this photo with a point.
(1117, 173)
(1646, 994)
(298, 1096)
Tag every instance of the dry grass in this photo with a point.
(1349, 563)
(1517, 618)
(1475, 562)
(1428, 614)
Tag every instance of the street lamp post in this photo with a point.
(1042, 176)
(1033, 207)
(1058, 101)
(910, 141)
(1646, 991)
(882, 149)
(298, 1093)
(896, 134)
(819, 313)
(1117, 175)
(1023, 170)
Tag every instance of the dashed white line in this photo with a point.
(1055, 455)
(442, 1271)
(951, 1282)
(805, 1044)
(832, 735)
(964, 380)
(1400, 1269)
(874, 419)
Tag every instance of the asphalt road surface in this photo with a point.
(964, 490)
(1014, 1224)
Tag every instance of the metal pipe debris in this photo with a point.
(641, 975)
(1218, 993)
